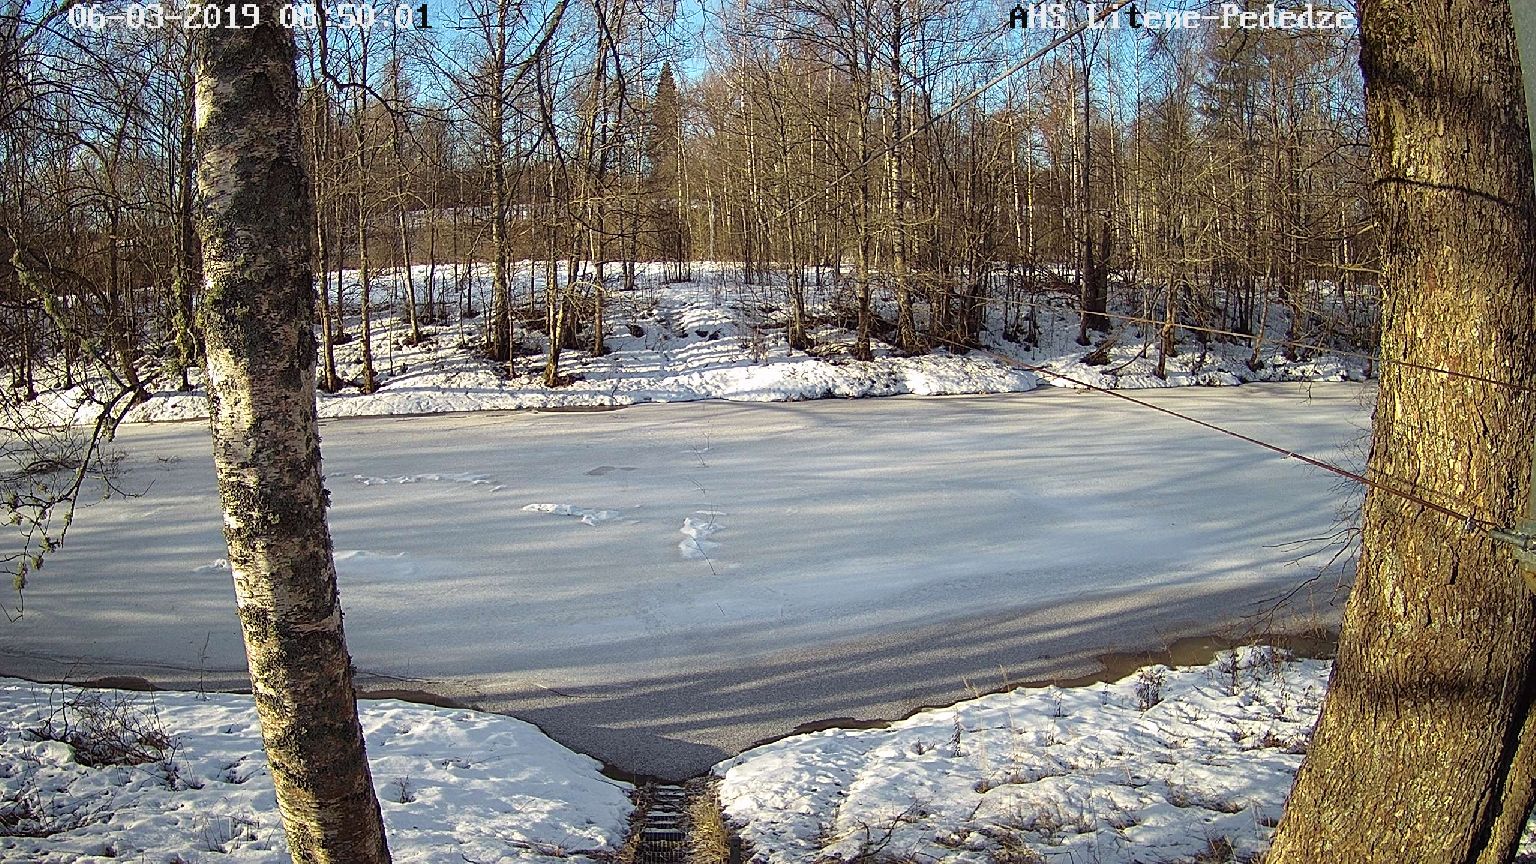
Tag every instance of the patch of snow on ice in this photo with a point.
(587, 515)
(471, 479)
(696, 545)
(364, 564)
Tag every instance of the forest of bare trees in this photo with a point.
(163, 209)
(830, 148)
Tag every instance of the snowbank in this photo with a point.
(1166, 765)
(450, 782)
(1163, 765)
(715, 339)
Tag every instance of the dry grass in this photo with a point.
(104, 728)
(709, 838)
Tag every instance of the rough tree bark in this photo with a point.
(1424, 751)
(259, 310)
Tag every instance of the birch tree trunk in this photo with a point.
(499, 338)
(897, 179)
(260, 298)
(1426, 750)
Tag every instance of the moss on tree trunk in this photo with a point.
(1424, 749)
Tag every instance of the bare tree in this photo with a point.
(259, 313)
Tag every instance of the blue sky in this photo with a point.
(691, 28)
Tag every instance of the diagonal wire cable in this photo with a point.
(1465, 519)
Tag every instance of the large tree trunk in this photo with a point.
(260, 298)
(1424, 751)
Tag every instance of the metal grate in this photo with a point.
(663, 838)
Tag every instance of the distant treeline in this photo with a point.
(1194, 176)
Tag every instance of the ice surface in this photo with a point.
(874, 555)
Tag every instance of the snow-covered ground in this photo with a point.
(717, 338)
(451, 783)
(1163, 765)
(665, 585)
(1172, 766)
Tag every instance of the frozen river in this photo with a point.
(664, 585)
